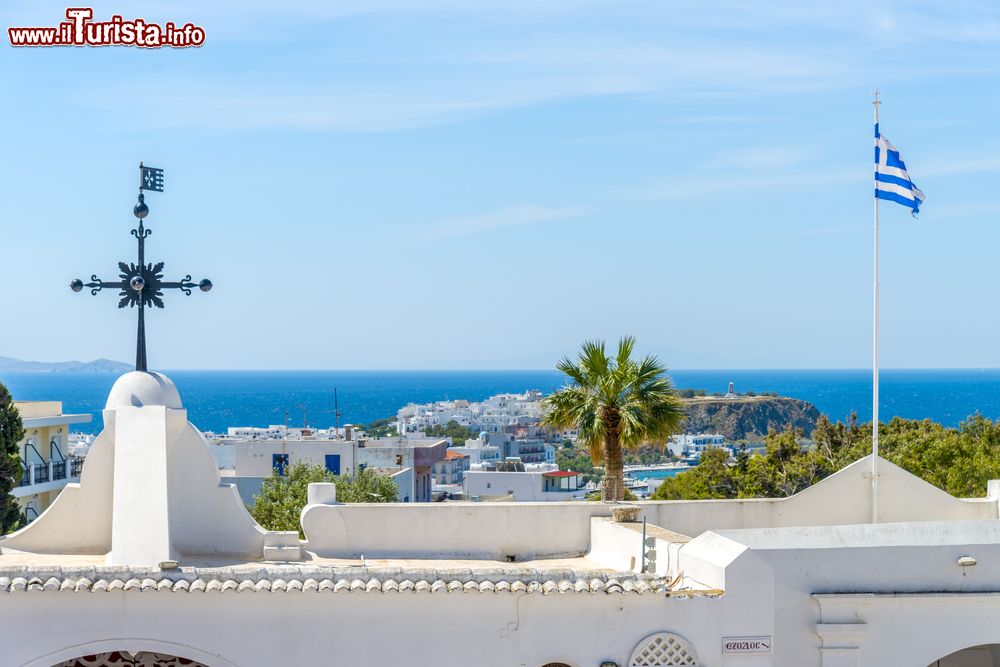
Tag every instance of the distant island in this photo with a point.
(10, 365)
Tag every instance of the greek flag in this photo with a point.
(891, 180)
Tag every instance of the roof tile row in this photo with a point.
(373, 584)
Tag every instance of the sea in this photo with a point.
(216, 400)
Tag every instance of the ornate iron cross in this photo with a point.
(140, 284)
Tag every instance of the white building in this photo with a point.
(417, 454)
(479, 450)
(409, 462)
(528, 483)
(283, 432)
(47, 461)
(687, 444)
(151, 560)
(450, 470)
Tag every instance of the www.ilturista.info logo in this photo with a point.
(80, 30)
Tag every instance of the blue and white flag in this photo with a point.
(891, 180)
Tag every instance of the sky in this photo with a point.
(446, 185)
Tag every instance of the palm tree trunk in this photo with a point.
(614, 475)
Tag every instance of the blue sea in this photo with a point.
(218, 399)
(662, 473)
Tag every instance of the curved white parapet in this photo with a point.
(141, 389)
(150, 492)
(494, 531)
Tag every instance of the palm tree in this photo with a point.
(614, 403)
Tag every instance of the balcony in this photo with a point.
(35, 474)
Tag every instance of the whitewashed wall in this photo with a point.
(349, 629)
(547, 529)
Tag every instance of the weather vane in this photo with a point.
(141, 284)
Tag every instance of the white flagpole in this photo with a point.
(875, 104)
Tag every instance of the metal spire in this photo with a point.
(140, 284)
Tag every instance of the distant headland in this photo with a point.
(11, 365)
(748, 417)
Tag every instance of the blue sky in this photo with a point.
(447, 184)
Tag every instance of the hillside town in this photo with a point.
(511, 458)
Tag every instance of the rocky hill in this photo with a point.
(748, 417)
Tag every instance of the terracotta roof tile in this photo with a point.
(321, 580)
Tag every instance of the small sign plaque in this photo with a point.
(746, 644)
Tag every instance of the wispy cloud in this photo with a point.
(767, 157)
(512, 216)
(741, 170)
(384, 65)
(696, 186)
(395, 96)
(230, 108)
(959, 165)
(966, 210)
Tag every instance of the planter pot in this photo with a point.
(625, 513)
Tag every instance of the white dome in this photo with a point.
(140, 389)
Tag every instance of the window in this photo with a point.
(279, 462)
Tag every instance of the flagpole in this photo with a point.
(875, 104)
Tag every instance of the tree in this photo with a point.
(279, 504)
(570, 458)
(11, 434)
(957, 460)
(368, 486)
(382, 428)
(614, 403)
(713, 477)
(282, 497)
(691, 393)
(458, 433)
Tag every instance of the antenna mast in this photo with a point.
(336, 413)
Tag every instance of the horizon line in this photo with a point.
(508, 370)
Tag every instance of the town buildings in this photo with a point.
(497, 414)
(248, 457)
(46, 461)
(479, 450)
(530, 449)
(152, 559)
(451, 469)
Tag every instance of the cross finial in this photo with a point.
(876, 101)
(141, 285)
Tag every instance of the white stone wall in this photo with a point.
(539, 528)
(372, 629)
(452, 530)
